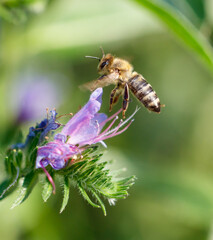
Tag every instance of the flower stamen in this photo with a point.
(127, 120)
(115, 133)
(110, 118)
(121, 131)
(68, 114)
(111, 124)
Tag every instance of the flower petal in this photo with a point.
(85, 124)
(51, 125)
(88, 130)
(56, 154)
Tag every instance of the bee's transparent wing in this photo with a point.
(102, 81)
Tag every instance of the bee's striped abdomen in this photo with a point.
(144, 92)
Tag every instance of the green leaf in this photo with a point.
(10, 162)
(90, 175)
(182, 28)
(33, 143)
(86, 197)
(100, 202)
(29, 182)
(118, 188)
(7, 165)
(7, 187)
(66, 193)
(47, 190)
(19, 158)
(88, 151)
(32, 157)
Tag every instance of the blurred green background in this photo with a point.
(171, 154)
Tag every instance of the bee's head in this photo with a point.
(105, 62)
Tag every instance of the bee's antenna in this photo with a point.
(102, 50)
(93, 57)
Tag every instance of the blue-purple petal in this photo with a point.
(83, 117)
(88, 131)
(51, 125)
(56, 154)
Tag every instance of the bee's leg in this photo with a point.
(111, 98)
(115, 94)
(125, 99)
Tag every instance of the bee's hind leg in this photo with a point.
(115, 94)
(125, 99)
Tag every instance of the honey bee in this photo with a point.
(120, 72)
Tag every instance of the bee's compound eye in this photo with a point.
(103, 64)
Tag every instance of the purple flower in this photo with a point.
(48, 125)
(58, 154)
(81, 130)
(44, 127)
